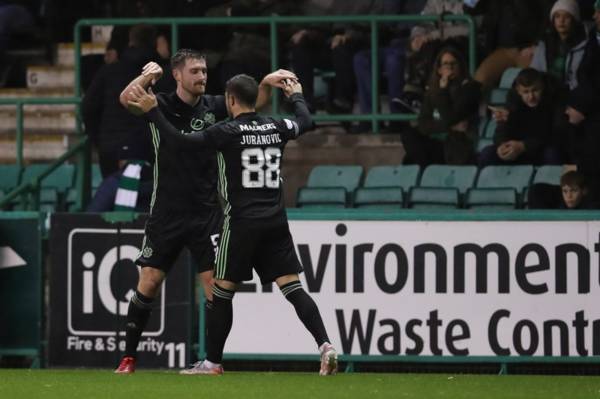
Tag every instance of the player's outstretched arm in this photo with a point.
(151, 73)
(274, 79)
(293, 91)
(145, 103)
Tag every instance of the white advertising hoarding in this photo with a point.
(435, 288)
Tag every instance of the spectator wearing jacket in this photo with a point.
(529, 133)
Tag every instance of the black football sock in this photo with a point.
(208, 308)
(307, 310)
(220, 319)
(140, 308)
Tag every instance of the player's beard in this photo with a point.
(196, 89)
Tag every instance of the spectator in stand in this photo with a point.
(249, 49)
(572, 193)
(510, 28)
(447, 123)
(561, 51)
(317, 47)
(130, 188)
(527, 132)
(392, 58)
(426, 40)
(108, 124)
(583, 112)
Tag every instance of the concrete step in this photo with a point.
(31, 93)
(39, 120)
(37, 148)
(50, 77)
(66, 52)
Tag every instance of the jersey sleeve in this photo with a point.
(220, 108)
(207, 138)
(302, 122)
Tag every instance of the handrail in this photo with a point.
(273, 22)
(33, 186)
(19, 103)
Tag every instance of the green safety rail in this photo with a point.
(80, 149)
(273, 22)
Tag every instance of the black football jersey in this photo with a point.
(185, 181)
(249, 152)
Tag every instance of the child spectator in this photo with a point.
(574, 191)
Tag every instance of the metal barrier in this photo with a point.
(274, 21)
(80, 149)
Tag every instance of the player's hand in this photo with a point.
(141, 100)
(292, 87)
(154, 70)
(277, 78)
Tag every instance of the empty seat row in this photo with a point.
(57, 190)
(438, 186)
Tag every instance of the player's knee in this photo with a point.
(221, 293)
(291, 287)
(150, 281)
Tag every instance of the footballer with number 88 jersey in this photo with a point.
(255, 232)
(185, 211)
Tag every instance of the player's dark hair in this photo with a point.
(244, 88)
(142, 35)
(182, 55)
(573, 179)
(529, 77)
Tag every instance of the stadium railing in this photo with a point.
(273, 22)
(80, 150)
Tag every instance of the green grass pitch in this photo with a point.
(62, 384)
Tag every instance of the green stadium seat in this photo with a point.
(490, 129)
(96, 176)
(322, 197)
(60, 179)
(501, 178)
(483, 142)
(434, 197)
(442, 185)
(9, 177)
(384, 186)
(379, 197)
(404, 176)
(324, 178)
(549, 174)
(492, 198)
(49, 195)
(498, 96)
(335, 176)
(508, 77)
(482, 125)
(461, 177)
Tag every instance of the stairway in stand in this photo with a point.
(49, 129)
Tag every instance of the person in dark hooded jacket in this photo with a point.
(109, 126)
